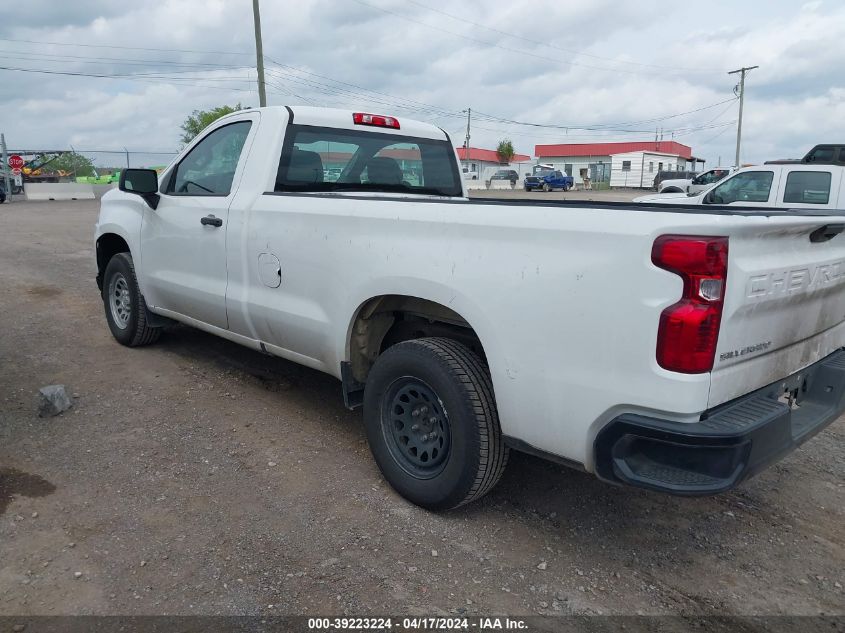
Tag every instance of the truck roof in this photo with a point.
(338, 118)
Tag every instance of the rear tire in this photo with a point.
(126, 310)
(432, 424)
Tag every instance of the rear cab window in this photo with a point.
(807, 187)
(322, 159)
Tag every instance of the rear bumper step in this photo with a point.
(730, 443)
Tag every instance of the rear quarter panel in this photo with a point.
(565, 307)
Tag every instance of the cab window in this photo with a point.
(317, 159)
(749, 186)
(709, 177)
(807, 187)
(209, 168)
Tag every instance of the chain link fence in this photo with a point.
(97, 167)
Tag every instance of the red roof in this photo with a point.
(488, 155)
(606, 149)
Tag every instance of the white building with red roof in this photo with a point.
(625, 164)
(480, 164)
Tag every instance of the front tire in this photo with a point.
(126, 310)
(432, 423)
(546, 188)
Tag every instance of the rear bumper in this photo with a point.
(730, 443)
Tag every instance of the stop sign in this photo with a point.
(15, 161)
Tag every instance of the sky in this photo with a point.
(538, 72)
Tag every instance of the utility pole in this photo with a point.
(259, 54)
(5, 167)
(742, 72)
(466, 142)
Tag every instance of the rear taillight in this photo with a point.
(377, 120)
(689, 329)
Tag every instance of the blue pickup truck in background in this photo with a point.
(548, 180)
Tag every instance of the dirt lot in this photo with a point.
(197, 477)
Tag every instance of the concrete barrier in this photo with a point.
(475, 184)
(500, 184)
(58, 191)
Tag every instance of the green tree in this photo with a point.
(71, 162)
(201, 119)
(504, 151)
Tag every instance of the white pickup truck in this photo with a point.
(785, 186)
(696, 184)
(680, 350)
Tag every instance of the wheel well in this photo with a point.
(390, 319)
(108, 246)
(671, 190)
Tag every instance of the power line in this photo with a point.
(84, 59)
(418, 104)
(131, 77)
(565, 50)
(338, 91)
(506, 48)
(610, 127)
(131, 48)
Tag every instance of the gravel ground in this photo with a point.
(198, 477)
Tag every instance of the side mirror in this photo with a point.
(142, 182)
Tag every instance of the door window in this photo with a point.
(209, 168)
(749, 186)
(807, 187)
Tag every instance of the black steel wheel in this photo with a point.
(416, 427)
(432, 423)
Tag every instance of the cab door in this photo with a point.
(183, 241)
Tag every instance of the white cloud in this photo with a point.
(531, 72)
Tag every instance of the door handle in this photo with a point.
(827, 232)
(210, 220)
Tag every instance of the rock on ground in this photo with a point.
(53, 400)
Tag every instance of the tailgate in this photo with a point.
(784, 302)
